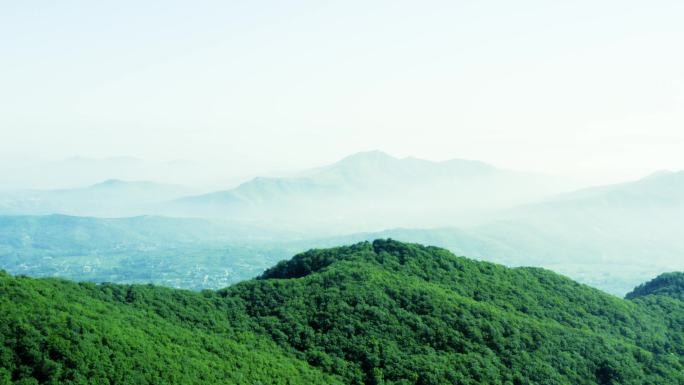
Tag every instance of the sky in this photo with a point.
(587, 89)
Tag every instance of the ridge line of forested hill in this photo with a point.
(384, 312)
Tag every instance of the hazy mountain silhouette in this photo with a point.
(79, 171)
(611, 237)
(111, 198)
(373, 190)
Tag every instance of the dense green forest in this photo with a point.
(372, 313)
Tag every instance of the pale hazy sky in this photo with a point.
(583, 88)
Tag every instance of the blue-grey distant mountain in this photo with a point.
(610, 236)
(637, 221)
(111, 198)
(82, 171)
(373, 190)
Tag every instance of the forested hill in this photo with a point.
(667, 285)
(373, 313)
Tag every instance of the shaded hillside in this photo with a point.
(382, 312)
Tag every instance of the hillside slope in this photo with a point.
(384, 312)
(58, 332)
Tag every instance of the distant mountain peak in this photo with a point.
(664, 174)
(382, 159)
(121, 183)
(114, 182)
(473, 164)
(110, 182)
(374, 155)
(658, 174)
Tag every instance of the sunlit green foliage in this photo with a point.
(373, 313)
(57, 332)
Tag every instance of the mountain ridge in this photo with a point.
(668, 284)
(372, 190)
(381, 312)
(108, 198)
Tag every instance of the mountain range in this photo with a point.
(110, 198)
(611, 237)
(367, 191)
(82, 171)
(372, 191)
